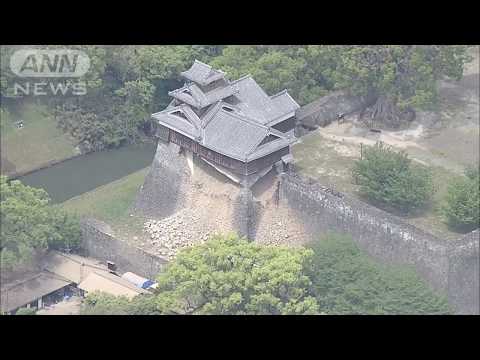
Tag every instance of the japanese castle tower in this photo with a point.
(233, 126)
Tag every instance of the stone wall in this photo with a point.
(324, 110)
(450, 267)
(99, 243)
(161, 194)
(463, 274)
(245, 214)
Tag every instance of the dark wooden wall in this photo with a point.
(237, 166)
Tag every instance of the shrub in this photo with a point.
(100, 303)
(347, 281)
(26, 311)
(462, 208)
(388, 177)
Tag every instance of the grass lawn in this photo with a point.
(110, 203)
(319, 158)
(330, 162)
(34, 145)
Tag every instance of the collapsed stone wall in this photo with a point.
(98, 242)
(450, 267)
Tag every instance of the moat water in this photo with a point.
(85, 173)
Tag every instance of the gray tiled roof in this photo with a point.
(284, 104)
(30, 289)
(193, 95)
(256, 104)
(235, 118)
(231, 135)
(202, 73)
(191, 126)
(267, 148)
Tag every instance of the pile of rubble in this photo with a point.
(183, 229)
(280, 226)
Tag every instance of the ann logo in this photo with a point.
(49, 63)
(63, 64)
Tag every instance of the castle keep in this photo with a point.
(233, 126)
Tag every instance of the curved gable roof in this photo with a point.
(202, 73)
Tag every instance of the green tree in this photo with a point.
(400, 77)
(162, 62)
(99, 303)
(389, 178)
(29, 226)
(274, 68)
(462, 209)
(347, 281)
(228, 275)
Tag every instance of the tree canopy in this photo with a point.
(346, 281)
(125, 84)
(228, 275)
(461, 209)
(30, 225)
(389, 178)
(99, 303)
(400, 77)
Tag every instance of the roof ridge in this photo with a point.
(116, 279)
(243, 77)
(293, 100)
(60, 277)
(279, 93)
(201, 62)
(190, 112)
(70, 258)
(246, 119)
(211, 113)
(271, 131)
(211, 70)
(20, 282)
(250, 157)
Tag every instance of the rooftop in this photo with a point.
(111, 284)
(232, 118)
(72, 267)
(202, 73)
(31, 288)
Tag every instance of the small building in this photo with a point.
(34, 290)
(66, 274)
(234, 126)
(110, 284)
(71, 266)
(89, 274)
